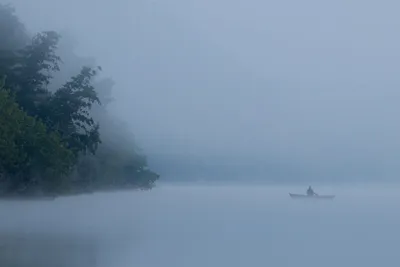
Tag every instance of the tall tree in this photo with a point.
(33, 71)
(68, 112)
(29, 154)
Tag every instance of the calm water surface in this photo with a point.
(197, 226)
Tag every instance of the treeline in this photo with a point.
(56, 136)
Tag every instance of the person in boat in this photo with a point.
(310, 192)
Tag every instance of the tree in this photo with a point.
(50, 122)
(28, 149)
(32, 71)
(67, 112)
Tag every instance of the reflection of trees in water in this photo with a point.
(28, 251)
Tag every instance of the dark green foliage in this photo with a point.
(27, 150)
(50, 124)
(115, 168)
(32, 71)
(67, 112)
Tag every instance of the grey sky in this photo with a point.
(302, 80)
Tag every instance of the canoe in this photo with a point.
(311, 197)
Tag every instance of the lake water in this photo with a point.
(224, 226)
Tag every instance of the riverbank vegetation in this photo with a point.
(56, 134)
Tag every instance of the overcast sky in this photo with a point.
(302, 80)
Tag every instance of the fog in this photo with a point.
(282, 91)
(210, 226)
(312, 84)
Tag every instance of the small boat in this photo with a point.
(311, 196)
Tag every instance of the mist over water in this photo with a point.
(269, 91)
(219, 226)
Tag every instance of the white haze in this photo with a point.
(312, 83)
(222, 226)
(308, 82)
